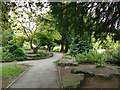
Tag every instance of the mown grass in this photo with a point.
(10, 71)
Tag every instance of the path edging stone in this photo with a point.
(18, 77)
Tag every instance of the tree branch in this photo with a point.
(25, 31)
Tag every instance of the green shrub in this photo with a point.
(42, 48)
(7, 56)
(13, 47)
(114, 57)
(67, 55)
(13, 52)
(110, 52)
(81, 44)
(19, 40)
(18, 54)
(90, 57)
(4, 49)
(42, 54)
(57, 62)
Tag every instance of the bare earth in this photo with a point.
(92, 81)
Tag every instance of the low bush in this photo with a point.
(90, 57)
(12, 48)
(109, 52)
(80, 44)
(67, 55)
(57, 62)
(13, 52)
(19, 40)
(18, 54)
(41, 54)
(7, 56)
(113, 57)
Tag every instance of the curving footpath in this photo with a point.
(42, 74)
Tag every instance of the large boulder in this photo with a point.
(67, 62)
(104, 72)
(72, 80)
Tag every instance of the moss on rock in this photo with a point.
(72, 80)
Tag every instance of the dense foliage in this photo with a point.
(77, 26)
(19, 40)
(78, 17)
(109, 57)
(113, 56)
(13, 52)
(81, 44)
(6, 36)
(90, 57)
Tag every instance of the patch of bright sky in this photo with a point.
(25, 17)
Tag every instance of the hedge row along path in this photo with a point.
(42, 74)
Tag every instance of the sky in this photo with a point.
(25, 17)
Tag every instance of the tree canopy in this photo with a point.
(102, 18)
(98, 19)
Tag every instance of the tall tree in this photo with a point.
(62, 16)
(6, 30)
(29, 16)
(101, 18)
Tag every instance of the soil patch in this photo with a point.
(7, 81)
(93, 81)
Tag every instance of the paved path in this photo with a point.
(42, 74)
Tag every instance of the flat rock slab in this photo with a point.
(72, 80)
(67, 62)
(106, 72)
(32, 55)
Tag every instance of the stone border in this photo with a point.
(4, 61)
(17, 77)
(60, 78)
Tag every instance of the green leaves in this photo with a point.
(85, 18)
(13, 52)
(81, 44)
(89, 57)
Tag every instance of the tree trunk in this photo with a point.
(66, 48)
(35, 50)
(62, 45)
(31, 44)
(49, 48)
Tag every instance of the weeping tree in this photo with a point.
(28, 17)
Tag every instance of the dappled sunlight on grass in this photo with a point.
(9, 71)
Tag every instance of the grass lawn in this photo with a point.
(10, 71)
